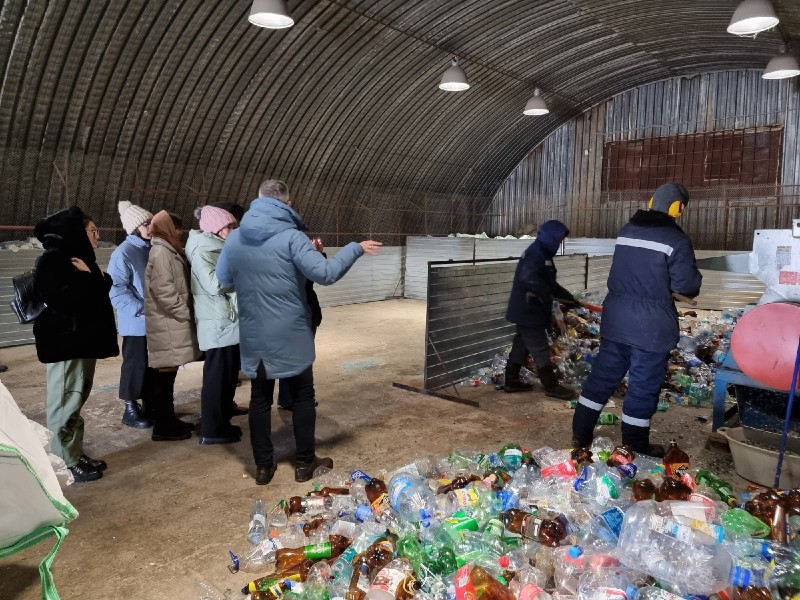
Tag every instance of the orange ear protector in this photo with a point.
(675, 209)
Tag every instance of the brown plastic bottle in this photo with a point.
(458, 482)
(778, 524)
(298, 504)
(544, 527)
(644, 489)
(487, 587)
(581, 455)
(676, 461)
(621, 455)
(354, 592)
(672, 489)
(287, 557)
(377, 494)
(297, 572)
(313, 525)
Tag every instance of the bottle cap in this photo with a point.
(504, 561)
(575, 551)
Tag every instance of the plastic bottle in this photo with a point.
(476, 582)
(720, 486)
(458, 482)
(644, 489)
(654, 541)
(603, 584)
(740, 523)
(208, 591)
(546, 528)
(256, 559)
(309, 505)
(285, 558)
(394, 581)
(411, 498)
(676, 461)
(258, 522)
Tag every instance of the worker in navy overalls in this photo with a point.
(530, 308)
(653, 258)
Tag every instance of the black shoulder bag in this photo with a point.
(26, 303)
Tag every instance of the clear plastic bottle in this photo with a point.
(603, 584)
(412, 498)
(684, 559)
(258, 522)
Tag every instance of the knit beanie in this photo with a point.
(132, 216)
(214, 220)
(668, 193)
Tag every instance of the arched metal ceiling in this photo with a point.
(344, 105)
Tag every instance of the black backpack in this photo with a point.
(26, 303)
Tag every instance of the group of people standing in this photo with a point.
(179, 304)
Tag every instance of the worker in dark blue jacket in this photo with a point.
(530, 307)
(653, 260)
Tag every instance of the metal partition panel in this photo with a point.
(487, 248)
(12, 264)
(422, 250)
(466, 323)
(370, 279)
(590, 246)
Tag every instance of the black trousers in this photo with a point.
(304, 415)
(220, 375)
(136, 378)
(533, 341)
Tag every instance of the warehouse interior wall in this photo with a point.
(562, 178)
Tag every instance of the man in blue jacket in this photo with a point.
(653, 259)
(530, 307)
(267, 261)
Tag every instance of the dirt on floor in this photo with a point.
(165, 514)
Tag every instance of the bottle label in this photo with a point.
(363, 513)
(397, 486)
(606, 490)
(465, 590)
(621, 456)
(562, 469)
(359, 474)
(388, 580)
(380, 503)
(313, 504)
(628, 470)
(608, 593)
(318, 551)
(258, 519)
(467, 497)
(671, 528)
(531, 525)
(676, 469)
(613, 517)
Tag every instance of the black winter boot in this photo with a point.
(584, 420)
(552, 387)
(638, 439)
(167, 427)
(512, 382)
(134, 417)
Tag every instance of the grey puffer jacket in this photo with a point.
(171, 336)
(215, 307)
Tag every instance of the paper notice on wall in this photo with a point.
(783, 256)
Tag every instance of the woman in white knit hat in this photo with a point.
(126, 269)
(217, 317)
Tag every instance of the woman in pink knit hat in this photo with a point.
(217, 318)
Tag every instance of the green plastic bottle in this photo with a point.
(720, 486)
(741, 522)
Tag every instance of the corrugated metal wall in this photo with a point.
(560, 178)
(370, 279)
(466, 323)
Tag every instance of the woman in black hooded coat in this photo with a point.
(75, 329)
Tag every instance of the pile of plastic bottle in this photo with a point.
(597, 523)
(703, 345)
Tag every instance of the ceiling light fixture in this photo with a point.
(752, 17)
(782, 66)
(454, 79)
(271, 14)
(536, 105)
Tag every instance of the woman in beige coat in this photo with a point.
(169, 322)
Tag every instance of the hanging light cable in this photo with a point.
(271, 14)
(536, 105)
(752, 17)
(454, 78)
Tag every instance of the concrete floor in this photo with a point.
(165, 514)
